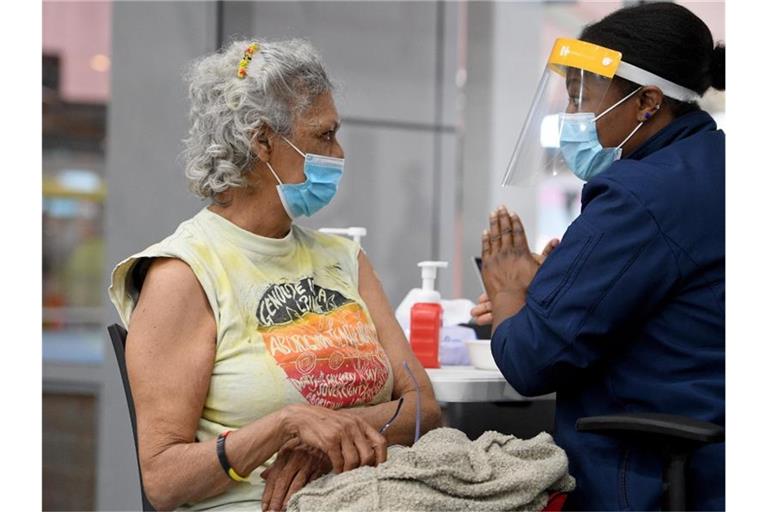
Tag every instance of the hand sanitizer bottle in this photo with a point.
(427, 317)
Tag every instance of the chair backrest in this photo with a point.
(118, 335)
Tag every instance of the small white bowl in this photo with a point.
(480, 354)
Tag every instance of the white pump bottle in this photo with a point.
(426, 293)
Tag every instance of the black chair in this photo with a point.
(118, 336)
(676, 437)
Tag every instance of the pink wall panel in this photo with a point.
(78, 31)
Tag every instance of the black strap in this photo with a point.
(222, 454)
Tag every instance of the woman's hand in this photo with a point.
(508, 266)
(547, 250)
(482, 314)
(346, 439)
(294, 468)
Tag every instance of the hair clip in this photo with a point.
(242, 70)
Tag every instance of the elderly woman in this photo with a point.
(261, 354)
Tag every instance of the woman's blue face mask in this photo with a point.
(322, 175)
(580, 145)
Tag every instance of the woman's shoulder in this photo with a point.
(128, 274)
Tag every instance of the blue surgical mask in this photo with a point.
(322, 174)
(580, 145)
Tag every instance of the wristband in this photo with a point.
(222, 454)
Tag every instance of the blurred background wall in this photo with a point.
(432, 95)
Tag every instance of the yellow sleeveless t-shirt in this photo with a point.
(291, 327)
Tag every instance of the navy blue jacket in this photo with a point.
(628, 315)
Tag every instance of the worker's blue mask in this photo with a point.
(322, 174)
(580, 145)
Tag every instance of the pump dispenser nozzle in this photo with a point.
(428, 276)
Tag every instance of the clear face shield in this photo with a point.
(559, 133)
(576, 80)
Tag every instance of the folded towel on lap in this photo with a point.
(444, 470)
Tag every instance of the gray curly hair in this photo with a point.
(284, 78)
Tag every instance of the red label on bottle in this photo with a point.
(426, 319)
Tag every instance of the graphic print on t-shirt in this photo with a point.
(324, 343)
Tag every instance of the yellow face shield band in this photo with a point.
(573, 53)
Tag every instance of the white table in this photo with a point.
(468, 384)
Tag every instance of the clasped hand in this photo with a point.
(509, 266)
(319, 440)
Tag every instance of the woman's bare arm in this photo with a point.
(170, 353)
(393, 341)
